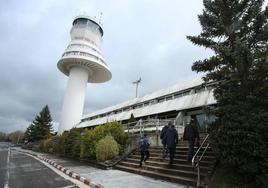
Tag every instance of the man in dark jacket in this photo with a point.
(144, 149)
(191, 134)
(172, 140)
(163, 137)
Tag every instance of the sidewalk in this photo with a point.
(107, 178)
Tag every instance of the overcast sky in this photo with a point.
(144, 39)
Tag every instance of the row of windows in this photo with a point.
(82, 22)
(83, 54)
(153, 101)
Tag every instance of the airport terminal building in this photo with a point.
(177, 103)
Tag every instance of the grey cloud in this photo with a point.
(141, 38)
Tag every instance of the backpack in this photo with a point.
(163, 134)
(144, 144)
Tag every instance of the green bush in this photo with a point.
(68, 144)
(51, 145)
(106, 148)
(28, 146)
(73, 144)
(55, 146)
(36, 146)
(89, 141)
(46, 145)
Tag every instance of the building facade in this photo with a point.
(173, 103)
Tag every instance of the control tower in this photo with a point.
(83, 62)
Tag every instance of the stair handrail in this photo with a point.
(138, 125)
(196, 159)
(141, 125)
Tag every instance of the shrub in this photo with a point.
(106, 148)
(51, 145)
(28, 146)
(55, 146)
(89, 141)
(36, 146)
(69, 143)
(46, 145)
(117, 131)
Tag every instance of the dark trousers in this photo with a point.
(190, 150)
(171, 155)
(145, 154)
(165, 149)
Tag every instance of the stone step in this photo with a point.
(180, 156)
(177, 152)
(158, 175)
(179, 147)
(164, 164)
(176, 160)
(183, 148)
(170, 170)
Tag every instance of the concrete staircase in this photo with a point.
(157, 167)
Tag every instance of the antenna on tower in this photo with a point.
(100, 17)
(137, 82)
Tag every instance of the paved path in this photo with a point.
(109, 178)
(22, 171)
(3, 163)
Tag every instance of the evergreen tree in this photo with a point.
(29, 135)
(132, 121)
(237, 32)
(41, 127)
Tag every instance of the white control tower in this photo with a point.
(83, 62)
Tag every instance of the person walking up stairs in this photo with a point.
(163, 137)
(172, 140)
(144, 149)
(191, 134)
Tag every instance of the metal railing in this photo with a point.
(198, 157)
(83, 54)
(151, 124)
(154, 125)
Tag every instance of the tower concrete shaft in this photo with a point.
(83, 62)
(73, 103)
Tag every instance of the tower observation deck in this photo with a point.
(83, 62)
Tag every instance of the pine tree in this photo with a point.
(29, 134)
(41, 127)
(237, 32)
(132, 121)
